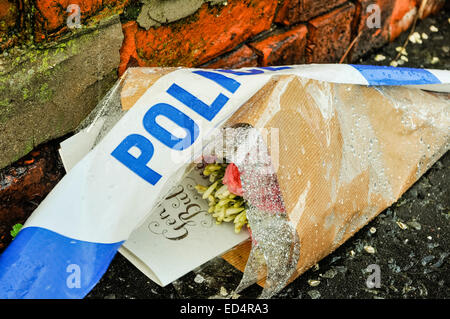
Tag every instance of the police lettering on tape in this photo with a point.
(139, 164)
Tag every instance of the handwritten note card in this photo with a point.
(179, 235)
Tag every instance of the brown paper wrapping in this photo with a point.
(345, 152)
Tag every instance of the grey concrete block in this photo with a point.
(45, 93)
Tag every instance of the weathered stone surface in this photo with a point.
(45, 93)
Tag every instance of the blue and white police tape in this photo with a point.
(67, 244)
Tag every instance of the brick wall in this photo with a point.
(33, 22)
(238, 32)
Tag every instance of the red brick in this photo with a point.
(240, 58)
(8, 17)
(211, 31)
(24, 184)
(368, 36)
(283, 48)
(402, 17)
(431, 7)
(128, 55)
(330, 35)
(8, 14)
(51, 15)
(294, 11)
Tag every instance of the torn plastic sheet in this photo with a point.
(95, 207)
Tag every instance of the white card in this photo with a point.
(179, 235)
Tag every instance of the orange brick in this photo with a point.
(330, 35)
(211, 31)
(240, 58)
(283, 48)
(294, 11)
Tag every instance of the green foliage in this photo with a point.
(15, 230)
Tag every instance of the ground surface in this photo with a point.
(414, 262)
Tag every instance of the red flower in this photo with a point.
(232, 179)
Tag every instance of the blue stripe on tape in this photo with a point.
(387, 75)
(40, 263)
